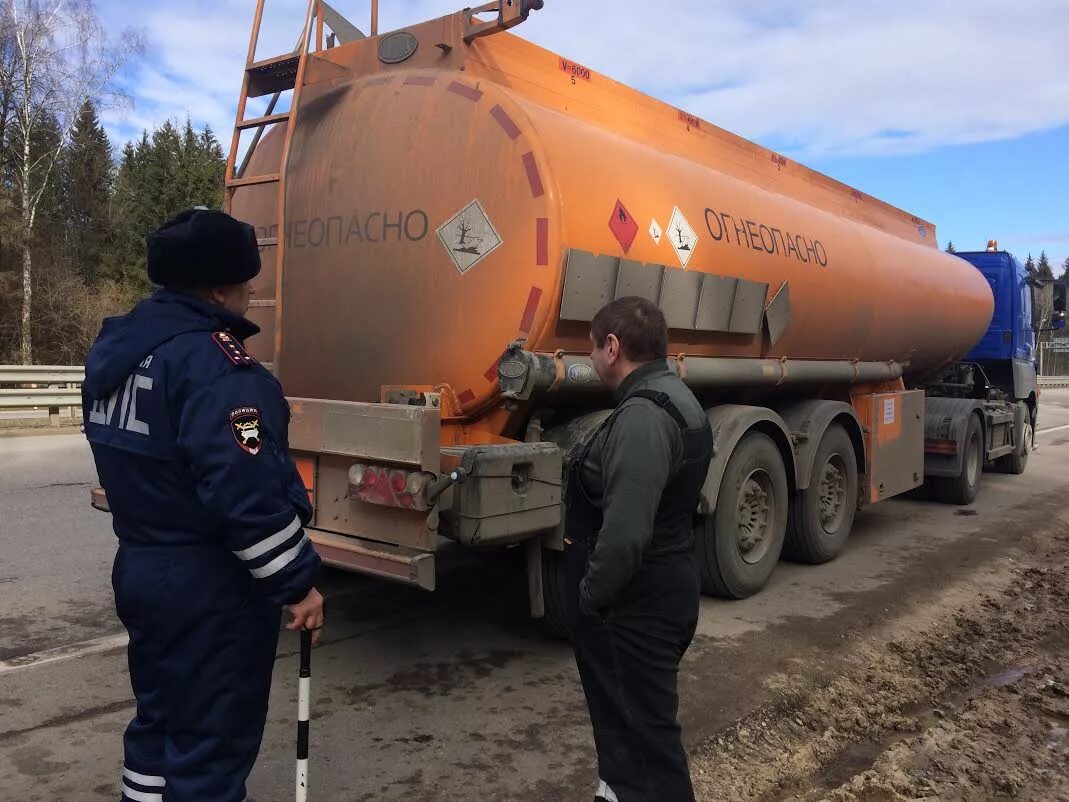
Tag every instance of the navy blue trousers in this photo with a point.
(201, 654)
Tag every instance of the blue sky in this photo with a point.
(955, 110)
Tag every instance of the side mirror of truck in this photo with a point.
(1059, 292)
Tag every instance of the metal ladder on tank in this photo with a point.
(271, 76)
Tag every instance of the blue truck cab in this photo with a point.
(1007, 353)
(1011, 335)
(981, 412)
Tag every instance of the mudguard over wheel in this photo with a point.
(1024, 428)
(822, 515)
(739, 544)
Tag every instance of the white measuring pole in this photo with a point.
(304, 694)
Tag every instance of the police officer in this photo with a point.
(189, 435)
(632, 492)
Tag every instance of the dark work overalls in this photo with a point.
(628, 655)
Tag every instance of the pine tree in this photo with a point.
(88, 177)
(212, 172)
(951, 248)
(1030, 265)
(124, 257)
(1065, 269)
(163, 177)
(1043, 269)
(164, 173)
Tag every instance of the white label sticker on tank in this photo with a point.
(655, 231)
(469, 236)
(888, 411)
(681, 236)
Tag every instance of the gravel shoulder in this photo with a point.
(962, 696)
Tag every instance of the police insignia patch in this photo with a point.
(246, 426)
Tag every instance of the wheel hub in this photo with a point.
(832, 494)
(972, 463)
(754, 516)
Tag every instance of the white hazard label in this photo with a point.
(655, 231)
(469, 237)
(681, 236)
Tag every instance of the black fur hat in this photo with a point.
(202, 248)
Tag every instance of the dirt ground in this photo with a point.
(964, 696)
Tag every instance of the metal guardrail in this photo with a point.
(37, 386)
(1053, 382)
(63, 386)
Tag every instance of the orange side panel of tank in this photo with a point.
(430, 207)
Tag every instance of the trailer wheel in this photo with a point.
(1016, 462)
(822, 515)
(554, 593)
(964, 488)
(739, 545)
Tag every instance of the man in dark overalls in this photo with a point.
(189, 435)
(632, 493)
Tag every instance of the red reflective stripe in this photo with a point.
(491, 373)
(941, 447)
(378, 81)
(533, 176)
(505, 122)
(419, 80)
(542, 242)
(465, 91)
(527, 321)
(466, 397)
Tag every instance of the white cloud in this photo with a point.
(829, 77)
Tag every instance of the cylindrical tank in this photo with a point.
(429, 213)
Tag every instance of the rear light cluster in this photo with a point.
(390, 487)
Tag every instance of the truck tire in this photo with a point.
(739, 544)
(963, 489)
(822, 515)
(554, 593)
(1017, 462)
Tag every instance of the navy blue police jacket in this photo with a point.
(190, 438)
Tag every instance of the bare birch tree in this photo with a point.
(63, 58)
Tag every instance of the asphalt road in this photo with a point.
(451, 695)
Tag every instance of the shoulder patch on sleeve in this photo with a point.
(246, 427)
(233, 349)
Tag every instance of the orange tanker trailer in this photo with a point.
(442, 212)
